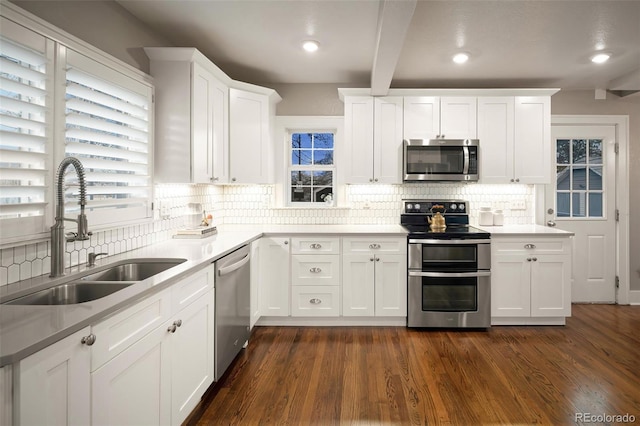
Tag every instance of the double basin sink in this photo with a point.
(98, 284)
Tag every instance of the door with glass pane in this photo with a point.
(581, 199)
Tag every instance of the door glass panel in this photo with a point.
(579, 178)
(450, 294)
(595, 204)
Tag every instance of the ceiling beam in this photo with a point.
(393, 24)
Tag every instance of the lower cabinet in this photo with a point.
(274, 276)
(53, 386)
(530, 278)
(374, 277)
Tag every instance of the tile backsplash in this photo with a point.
(177, 206)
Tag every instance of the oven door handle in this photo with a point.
(450, 274)
(418, 241)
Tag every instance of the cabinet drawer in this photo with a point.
(315, 245)
(531, 245)
(315, 301)
(117, 333)
(375, 245)
(190, 288)
(322, 269)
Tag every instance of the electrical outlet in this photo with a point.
(518, 205)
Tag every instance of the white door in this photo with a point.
(581, 199)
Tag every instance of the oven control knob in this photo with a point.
(409, 207)
(461, 207)
(417, 207)
(453, 206)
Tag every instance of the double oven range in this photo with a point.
(449, 270)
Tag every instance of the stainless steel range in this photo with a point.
(449, 268)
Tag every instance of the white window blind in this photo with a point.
(108, 130)
(25, 127)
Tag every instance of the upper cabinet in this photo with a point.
(515, 139)
(432, 117)
(192, 117)
(252, 116)
(373, 128)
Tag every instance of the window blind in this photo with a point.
(107, 129)
(24, 135)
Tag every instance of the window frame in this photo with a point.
(311, 168)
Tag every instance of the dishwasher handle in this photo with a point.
(228, 269)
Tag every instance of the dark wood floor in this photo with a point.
(398, 376)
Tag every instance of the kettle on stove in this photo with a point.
(436, 221)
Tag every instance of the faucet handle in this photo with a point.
(91, 258)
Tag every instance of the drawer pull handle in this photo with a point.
(315, 246)
(374, 246)
(177, 323)
(529, 246)
(315, 270)
(172, 328)
(315, 301)
(88, 340)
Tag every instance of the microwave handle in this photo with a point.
(465, 151)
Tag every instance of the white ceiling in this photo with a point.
(511, 43)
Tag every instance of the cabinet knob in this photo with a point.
(233, 179)
(535, 259)
(286, 242)
(375, 180)
(315, 246)
(215, 179)
(370, 179)
(512, 180)
(315, 270)
(315, 301)
(177, 323)
(371, 259)
(529, 246)
(517, 179)
(377, 259)
(528, 259)
(172, 328)
(88, 340)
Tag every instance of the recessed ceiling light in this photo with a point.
(460, 58)
(600, 58)
(310, 45)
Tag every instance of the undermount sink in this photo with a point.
(70, 293)
(133, 271)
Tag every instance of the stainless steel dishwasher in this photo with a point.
(232, 307)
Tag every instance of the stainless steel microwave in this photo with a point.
(440, 160)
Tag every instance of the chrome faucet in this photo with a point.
(58, 236)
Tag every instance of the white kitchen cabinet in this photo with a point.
(275, 267)
(192, 117)
(431, 117)
(530, 279)
(315, 301)
(254, 292)
(374, 277)
(373, 128)
(251, 116)
(52, 386)
(515, 141)
(192, 355)
(6, 395)
(315, 245)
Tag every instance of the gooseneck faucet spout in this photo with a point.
(58, 237)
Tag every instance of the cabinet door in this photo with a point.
(421, 117)
(358, 290)
(387, 140)
(220, 122)
(254, 292)
(495, 132)
(134, 388)
(274, 276)
(202, 125)
(458, 117)
(510, 286)
(533, 139)
(551, 286)
(358, 122)
(391, 285)
(54, 384)
(249, 141)
(191, 356)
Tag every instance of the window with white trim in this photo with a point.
(108, 130)
(25, 130)
(311, 168)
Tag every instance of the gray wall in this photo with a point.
(108, 26)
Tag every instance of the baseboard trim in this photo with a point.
(332, 321)
(634, 297)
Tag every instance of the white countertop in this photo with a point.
(525, 230)
(26, 329)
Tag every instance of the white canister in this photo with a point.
(498, 218)
(486, 217)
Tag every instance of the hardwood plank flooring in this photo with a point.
(400, 376)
